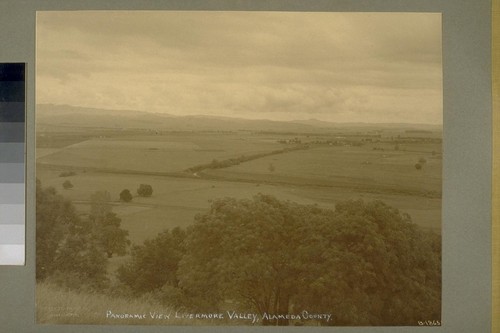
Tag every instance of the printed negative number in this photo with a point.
(429, 323)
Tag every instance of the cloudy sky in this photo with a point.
(341, 67)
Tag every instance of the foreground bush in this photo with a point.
(154, 264)
(65, 243)
(71, 250)
(364, 262)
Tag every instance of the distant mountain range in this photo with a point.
(51, 116)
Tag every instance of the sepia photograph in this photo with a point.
(239, 168)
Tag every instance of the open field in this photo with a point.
(349, 167)
(154, 153)
(323, 174)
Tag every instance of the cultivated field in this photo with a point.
(171, 152)
(330, 170)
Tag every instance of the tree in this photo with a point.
(100, 204)
(53, 216)
(245, 251)
(66, 249)
(125, 196)
(111, 236)
(67, 185)
(418, 166)
(154, 264)
(366, 263)
(145, 190)
(107, 226)
(382, 269)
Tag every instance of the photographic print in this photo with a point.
(238, 168)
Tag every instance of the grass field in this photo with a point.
(352, 167)
(153, 153)
(322, 175)
(56, 306)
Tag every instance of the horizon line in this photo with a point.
(241, 117)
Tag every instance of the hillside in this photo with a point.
(50, 116)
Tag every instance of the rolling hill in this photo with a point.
(51, 116)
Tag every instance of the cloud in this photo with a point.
(279, 65)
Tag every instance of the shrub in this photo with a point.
(154, 264)
(106, 226)
(125, 195)
(67, 185)
(364, 260)
(145, 190)
(66, 249)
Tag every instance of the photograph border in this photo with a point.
(467, 159)
(495, 56)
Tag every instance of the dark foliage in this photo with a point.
(67, 174)
(364, 262)
(145, 190)
(67, 185)
(154, 264)
(106, 226)
(125, 196)
(216, 164)
(65, 244)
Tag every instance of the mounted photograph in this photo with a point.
(239, 168)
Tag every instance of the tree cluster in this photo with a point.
(216, 164)
(106, 225)
(67, 174)
(67, 185)
(72, 250)
(420, 164)
(364, 261)
(154, 264)
(125, 195)
(145, 190)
